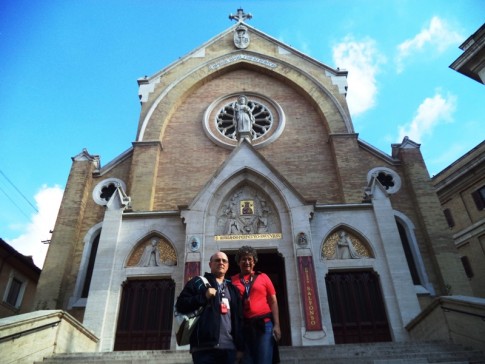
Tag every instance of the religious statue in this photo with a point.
(345, 248)
(243, 116)
(232, 225)
(151, 255)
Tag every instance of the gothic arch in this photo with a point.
(412, 244)
(90, 240)
(323, 99)
(246, 209)
(206, 206)
(354, 245)
(164, 252)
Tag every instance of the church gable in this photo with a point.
(163, 91)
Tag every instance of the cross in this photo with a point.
(241, 16)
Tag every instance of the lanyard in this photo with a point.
(247, 284)
(221, 289)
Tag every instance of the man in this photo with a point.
(261, 314)
(217, 337)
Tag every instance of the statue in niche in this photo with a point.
(151, 255)
(345, 248)
(243, 116)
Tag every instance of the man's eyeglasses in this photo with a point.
(220, 260)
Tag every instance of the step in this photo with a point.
(368, 353)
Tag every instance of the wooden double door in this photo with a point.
(146, 314)
(357, 307)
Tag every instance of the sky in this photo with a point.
(69, 70)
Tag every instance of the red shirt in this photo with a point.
(259, 294)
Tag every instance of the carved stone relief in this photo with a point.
(241, 37)
(153, 252)
(344, 245)
(247, 211)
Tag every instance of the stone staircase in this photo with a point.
(372, 353)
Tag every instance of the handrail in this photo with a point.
(446, 309)
(29, 331)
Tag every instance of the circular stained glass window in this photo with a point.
(262, 123)
(227, 125)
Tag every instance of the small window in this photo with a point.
(479, 198)
(14, 292)
(467, 266)
(449, 218)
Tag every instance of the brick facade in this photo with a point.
(314, 177)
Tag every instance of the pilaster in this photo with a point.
(104, 293)
(143, 174)
(402, 302)
(347, 160)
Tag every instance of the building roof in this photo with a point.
(7, 252)
(472, 62)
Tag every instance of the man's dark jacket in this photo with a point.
(206, 332)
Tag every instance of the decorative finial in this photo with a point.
(241, 16)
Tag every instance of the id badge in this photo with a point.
(224, 305)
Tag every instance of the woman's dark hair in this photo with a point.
(246, 250)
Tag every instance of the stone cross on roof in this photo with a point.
(241, 16)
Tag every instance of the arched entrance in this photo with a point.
(273, 264)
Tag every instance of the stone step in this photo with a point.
(369, 353)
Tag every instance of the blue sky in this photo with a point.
(68, 72)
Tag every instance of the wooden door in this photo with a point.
(357, 307)
(146, 313)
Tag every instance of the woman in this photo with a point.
(260, 309)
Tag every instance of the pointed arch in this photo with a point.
(83, 281)
(322, 98)
(153, 249)
(345, 242)
(413, 255)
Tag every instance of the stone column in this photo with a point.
(104, 293)
(401, 294)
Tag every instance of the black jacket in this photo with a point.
(206, 332)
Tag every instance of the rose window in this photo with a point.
(227, 125)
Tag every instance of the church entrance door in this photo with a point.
(146, 313)
(357, 307)
(273, 264)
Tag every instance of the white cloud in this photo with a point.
(362, 59)
(48, 201)
(434, 39)
(429, 115)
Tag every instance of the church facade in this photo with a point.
(247, 141)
